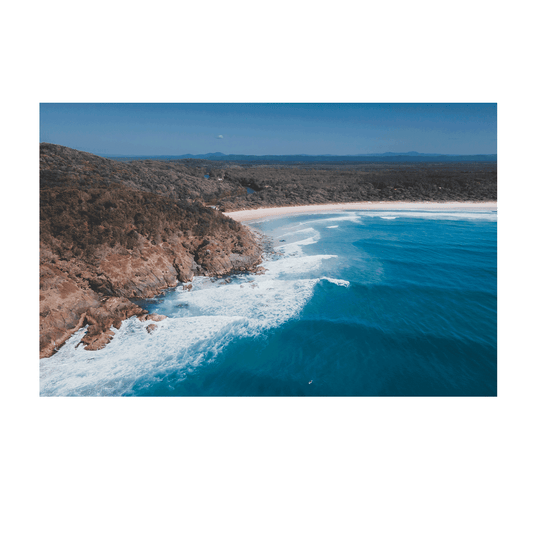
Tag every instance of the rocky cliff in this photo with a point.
(110, 232)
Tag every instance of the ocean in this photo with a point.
(352, 303)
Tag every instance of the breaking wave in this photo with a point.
(377, 307)
(200, 324)
(486, 216)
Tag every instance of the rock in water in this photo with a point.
(151, 327)
(112, 231)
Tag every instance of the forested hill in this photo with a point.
(276, 183)
(60, 166)
(110, 232)
(282, 184)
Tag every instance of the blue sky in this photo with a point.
(276, 129)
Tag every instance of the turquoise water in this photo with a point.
(367, 303)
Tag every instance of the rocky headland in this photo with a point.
(110, 231)
(115, 230)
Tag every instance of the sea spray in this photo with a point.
(358, 303)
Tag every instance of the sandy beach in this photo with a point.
(253, 214)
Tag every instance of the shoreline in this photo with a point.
(254, 214)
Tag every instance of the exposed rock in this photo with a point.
(151, 327)
(111, 312)
(154, 316)
(63, 305)
(105, 238)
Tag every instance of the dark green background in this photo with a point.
(264, 474)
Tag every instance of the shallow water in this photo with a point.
(368, 303)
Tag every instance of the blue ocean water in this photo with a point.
(356, 303)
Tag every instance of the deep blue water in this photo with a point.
(357, 303)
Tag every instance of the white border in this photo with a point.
(30, 96)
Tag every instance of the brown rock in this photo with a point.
(100, 319)
(111, 231)
(154, 316)
(62, 308)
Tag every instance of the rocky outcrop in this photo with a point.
(154, 316)
(63, 307)
(75, 293)
(103, 243)
(110, 312)
(151, 328)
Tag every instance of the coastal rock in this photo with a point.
(154, 316)
(140, 276)
(111, 231)
(183, 264)
(111, 312)
(63, 305)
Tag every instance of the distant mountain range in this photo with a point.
(386, 157)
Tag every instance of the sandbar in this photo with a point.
(253, 214)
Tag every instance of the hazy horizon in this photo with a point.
(132, 130)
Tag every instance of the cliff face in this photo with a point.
(104, 239)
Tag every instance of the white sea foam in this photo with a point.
(357, 216)
(332, 227)
(339, 282)
(295, 248)
(178, 344)
(489, 216)
(389, 218)
(304, 230)
(201, 322)
(343, 216)
(296, 265)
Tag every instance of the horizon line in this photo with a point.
(410, 152)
